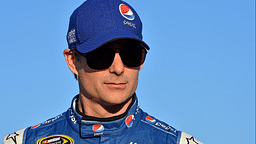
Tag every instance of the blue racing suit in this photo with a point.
(72, 127)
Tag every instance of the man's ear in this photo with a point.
(141, 67)
(71, 60)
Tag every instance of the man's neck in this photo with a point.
(91, 110)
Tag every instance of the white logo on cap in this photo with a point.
(72, 36)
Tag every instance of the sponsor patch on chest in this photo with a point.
(56, 139)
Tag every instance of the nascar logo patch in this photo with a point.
(56, 139)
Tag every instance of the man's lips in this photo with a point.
(116, 85)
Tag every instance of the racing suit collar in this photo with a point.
(90, 127)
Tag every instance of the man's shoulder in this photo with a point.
(51, 121)
(185, 138)
(154, 124)
(162, 129)
(20, 136)
(16, 137)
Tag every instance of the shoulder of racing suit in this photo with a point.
(20, 136)
(160, 126)
(185, 138)
(16, 137)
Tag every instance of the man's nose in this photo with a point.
(117, 66)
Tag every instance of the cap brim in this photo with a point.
(106, 37)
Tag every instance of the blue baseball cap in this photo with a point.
(97, 22)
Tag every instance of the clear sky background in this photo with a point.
(199, 75)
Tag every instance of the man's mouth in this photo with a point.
(116, 85)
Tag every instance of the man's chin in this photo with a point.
(115, 105)
(116, 101)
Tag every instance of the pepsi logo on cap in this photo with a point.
(126, 12)
(151, 120)
(97, 128)
(128, 121)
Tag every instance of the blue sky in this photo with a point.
(199, 75)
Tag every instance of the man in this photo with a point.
(106, 53)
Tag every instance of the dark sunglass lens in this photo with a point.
(133, 57)
(100, 59)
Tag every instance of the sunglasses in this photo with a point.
(132, 55)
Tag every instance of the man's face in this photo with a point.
(110, 86)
